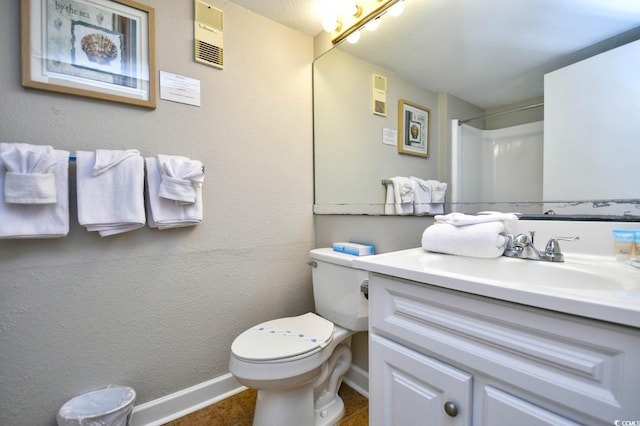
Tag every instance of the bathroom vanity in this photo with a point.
(464, 341)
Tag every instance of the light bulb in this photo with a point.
(397, 8)
(348, 8)
(354, 37)
(330, 24)
(373, 24)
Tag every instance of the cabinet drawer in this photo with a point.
(562, 360)
(412, 389)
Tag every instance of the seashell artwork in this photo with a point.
(99, 48)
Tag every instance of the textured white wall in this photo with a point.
(150, 309)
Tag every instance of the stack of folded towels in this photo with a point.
(35, 191)
(478, 235)
(110, 185)
(174, 191)
(414, 196)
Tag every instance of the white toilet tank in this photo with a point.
(336, 289)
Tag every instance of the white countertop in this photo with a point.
(595, 287)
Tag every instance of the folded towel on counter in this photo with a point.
(38, 220)
(403, 195)
(461, 219)
(29, 177)
(164, 213)
(110, 186)
(482, 240)
(180, 178)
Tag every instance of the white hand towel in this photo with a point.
(422, 196)
(390, 200)
(438, 191)
(180, 178)
(38, 220)
(461, 219)
(479, 240)
(29, 176)
(403, 194)
(110, 188)
(163, 213)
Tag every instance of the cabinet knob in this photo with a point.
(450, 408)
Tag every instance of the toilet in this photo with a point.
(297, 363)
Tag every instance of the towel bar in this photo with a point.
(73, 159)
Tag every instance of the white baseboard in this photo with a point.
(358, 379)
(171, 407)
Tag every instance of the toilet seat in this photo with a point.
(283, 338)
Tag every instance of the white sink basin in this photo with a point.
(574, 273)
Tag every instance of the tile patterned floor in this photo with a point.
(238, 411)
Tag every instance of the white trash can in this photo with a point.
(110, 406)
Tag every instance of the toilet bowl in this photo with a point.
(297, 363)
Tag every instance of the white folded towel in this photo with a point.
(422, 196)
(461, 219)
(180, 178)
(163, 213)
(390, 200)
(38, 220)
(482, 240)
(110, 186)
(438, 191)
(403, 194)
(29, 176)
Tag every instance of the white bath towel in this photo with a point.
(163, 213)
(461, 219)
(482, 240)
(38, 220)
(110, 186)
(180, 178)
(404, 195)
(29, 177)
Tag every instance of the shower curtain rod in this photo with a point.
(495, 114)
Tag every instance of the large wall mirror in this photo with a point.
(496, 59)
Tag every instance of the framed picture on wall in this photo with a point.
(100, 49)
(414, 129)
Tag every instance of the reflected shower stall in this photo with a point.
(489, 167)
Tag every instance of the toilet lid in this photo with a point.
(283, 338)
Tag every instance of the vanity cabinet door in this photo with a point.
(503, 409)
(409, 388)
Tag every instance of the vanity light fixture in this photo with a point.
(347, 23)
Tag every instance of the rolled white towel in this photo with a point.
(29, 176)
(163, 213)
(180, 178)
(478, 240)
(438, 191)
(38, 220)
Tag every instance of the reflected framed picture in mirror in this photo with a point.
(414, 128)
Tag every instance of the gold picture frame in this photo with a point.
(100, 49)
(414, 129)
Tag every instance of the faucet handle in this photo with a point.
(552, 250)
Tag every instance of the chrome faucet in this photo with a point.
(522, 247)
